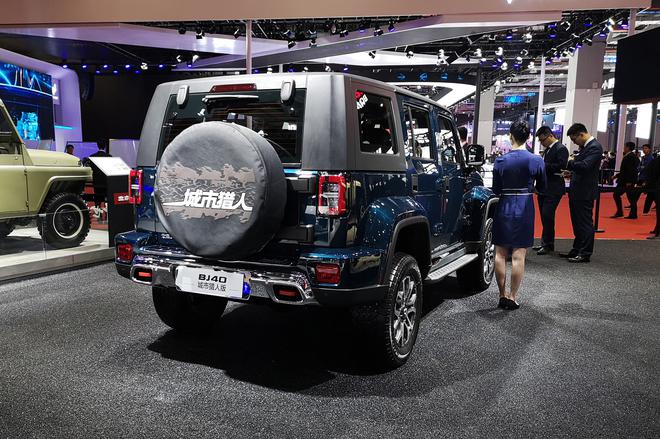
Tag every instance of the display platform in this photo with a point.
(23, 253)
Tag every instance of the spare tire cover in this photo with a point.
(220, 190)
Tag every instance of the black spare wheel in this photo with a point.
(220, 190)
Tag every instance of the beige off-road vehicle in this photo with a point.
(42, 184)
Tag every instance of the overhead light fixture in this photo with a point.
(127, 66)
(499, 51)
(527, 38)
(524, 52)
(116, 72)
(390, 27)
(343, 33)
(509, 1)
(178, 58)
(410, 54)
(531, 65)
(477, 53)
(333, 28)
(305, 69)
(519, 59)
(328, 68)
(105, 66)
(312, 33)
(144, 66)
(161, 66)
(492, 37)
(504, 66)
(199, 33)
(509, 35)
(291, 44)
(588, 22)
(372, 54)
(552, 33)
(288, 34)
(378, 31)
(565, 24)
(237, 32)
(84, 66)
(269, 70)
(65, 66)
(345, 69)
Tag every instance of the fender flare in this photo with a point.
(399, 226)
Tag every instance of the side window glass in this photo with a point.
(418, 139)
(8, 140)
(376, 123)
(446, 141)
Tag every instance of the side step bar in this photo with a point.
(448, 269)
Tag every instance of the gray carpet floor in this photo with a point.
(83, 354)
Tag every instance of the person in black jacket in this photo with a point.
(626, 180)
(653, 190)
(584, 169)
(555, 158)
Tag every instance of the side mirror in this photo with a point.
(475, 155)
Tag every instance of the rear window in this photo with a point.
(280, 124)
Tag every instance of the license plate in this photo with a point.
(210, 282)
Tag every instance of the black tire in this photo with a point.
(393, 339)
(187, 312)
(6, 229)
(478, 274)
(220, 190)
(66, 222)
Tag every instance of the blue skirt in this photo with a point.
(513, 225)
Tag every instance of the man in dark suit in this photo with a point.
(555, 158)
(584, 169)
(626, 180)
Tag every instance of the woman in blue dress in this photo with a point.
(514, 176)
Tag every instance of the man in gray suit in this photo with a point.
(585, 170)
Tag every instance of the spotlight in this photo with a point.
(291, 43)
(509, 35)
(288, 34)
(237, 33)
(442, 59)
(161, 66)
(362, 27)
(333, 28)
(378, 31)
(499, 59)
(624, 23)
(390, 27)
(269, 70)
(182, 30)
(519, 59)
(312, 42)
(328, 68)
(127, 66)
(477, 53)
(105, 66)
(199, 33)
(492, 37)
(372, 54)
(194, 58)
(552, 33)
(65, 66)
(527, 38)
(410, 54)
(312, 34)
(343, 33)
(504, 66)
(345, 69)
(566, 25)
(84, 66)
(305, 69)
(98, 72)
(531, 65)
(588, 22)
(178, 58)
(137, 72)
(499, 51)
(144, 66)
(116, 72)
(524, 52)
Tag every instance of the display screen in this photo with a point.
(28, 97)
(636, 80)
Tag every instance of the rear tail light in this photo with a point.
(135, 186)
(233, 87)
(328, 273)
(332, 195)
(125, 253)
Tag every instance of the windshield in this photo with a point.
(262, 111)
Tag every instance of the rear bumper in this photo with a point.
(263, 282)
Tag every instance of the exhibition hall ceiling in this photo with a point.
(85, 11)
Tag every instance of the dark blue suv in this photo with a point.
(304, 189)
